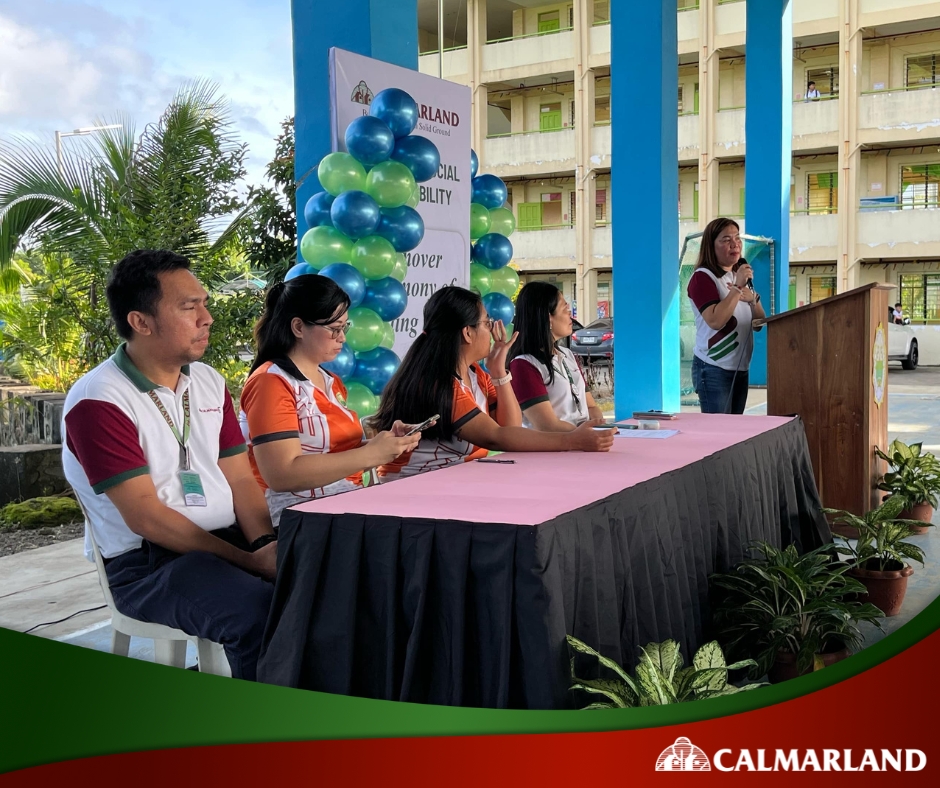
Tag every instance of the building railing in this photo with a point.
(529, 35)
(563, 226)
(688, 7)
(533, 131)
(446, 49)
(601, 23)
(688, 114)
(900, 89)
(824, 97)
(602, 122)
(602, 222)
(728, 109)
(729, 2)
(830, 211)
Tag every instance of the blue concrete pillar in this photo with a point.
(645, 200)
(768, 162)
(383, 29)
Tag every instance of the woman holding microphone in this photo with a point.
(726, 304)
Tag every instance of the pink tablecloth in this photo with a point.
(542, 486)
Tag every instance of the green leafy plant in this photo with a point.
(660, 677)
(781, 601)
(880, 545)
(914, 474)
(39, 512)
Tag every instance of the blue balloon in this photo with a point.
(301, 269)
(402, 227)
(317, 210)
(419, 155)
(343, 365)
(499, 307)
(355, 214)
(369, 140)
(347, 278)
(492, 251)
(374, 368)
(489, 191)
(474, 163)
(386, 297)
(398, 109)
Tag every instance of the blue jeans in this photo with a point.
(719, 390)
(197, 592)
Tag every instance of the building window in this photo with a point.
(601, 12)
(822, 192)
(604, 301)
(919, 186)
(920, 297)
(551, 209)
(549, 22)
(573, 206)
(600, 206)
(922, 70)
(821, 287)
(601, 110)
(826, 79)
(680, 99)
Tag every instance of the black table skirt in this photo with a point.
(470, 614)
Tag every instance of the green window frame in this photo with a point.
(822, 193)
(920, 186)
(920, 297)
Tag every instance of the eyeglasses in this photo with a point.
(489, 323)
(335, 331)
(726, 240)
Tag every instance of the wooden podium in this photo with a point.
(828, 363)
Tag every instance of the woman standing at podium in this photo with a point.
(721, 290)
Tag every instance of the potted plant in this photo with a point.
(660, 677)
(792, 613)
(879, 556)
(914, 475)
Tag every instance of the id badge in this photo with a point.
(193, 493)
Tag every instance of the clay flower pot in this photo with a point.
(886, 589)
(784, 668)
(922, 512)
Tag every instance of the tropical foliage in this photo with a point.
(914, 473)
(659, 678)
(880, 545)
(781, 601)
(62, 228)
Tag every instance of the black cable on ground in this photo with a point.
(78, 613)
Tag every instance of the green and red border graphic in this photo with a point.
(71, 715)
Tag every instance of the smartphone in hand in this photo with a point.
(423, 425)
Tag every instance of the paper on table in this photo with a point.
(654, 434)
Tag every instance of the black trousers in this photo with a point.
(197, 592)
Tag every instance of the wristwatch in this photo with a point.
(502, 381)
(262, 540)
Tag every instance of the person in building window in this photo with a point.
(441, 375)
(547, 379)
(811, 93)
(726, 305)
(897, 314)
(303, 442)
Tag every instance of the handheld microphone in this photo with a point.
(749, 284)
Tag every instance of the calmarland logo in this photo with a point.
(361, 94)
(683, 756)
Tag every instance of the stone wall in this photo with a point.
(30, 471)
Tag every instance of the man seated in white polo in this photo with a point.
(154, 452)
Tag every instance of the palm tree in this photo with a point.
(174, 187)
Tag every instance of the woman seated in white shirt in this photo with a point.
(547, 379)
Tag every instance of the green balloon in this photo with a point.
(390, 184)
(501, 221)
(415, 197)
(504, 280)
(339, 172)
(373, 257)
(480, 279)
(400, 271)
(479, 221)
(360, 399)
(323, 245)
(366, 330)
(389, 338)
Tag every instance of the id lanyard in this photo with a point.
(575, 397)
(193, 493)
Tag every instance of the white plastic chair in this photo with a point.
(169, 644)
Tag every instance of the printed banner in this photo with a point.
(443, 257)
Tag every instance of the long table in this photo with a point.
(457, 587)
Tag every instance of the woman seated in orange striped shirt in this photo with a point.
(303, 442)
(441, 375)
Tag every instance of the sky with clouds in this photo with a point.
(65, 64)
